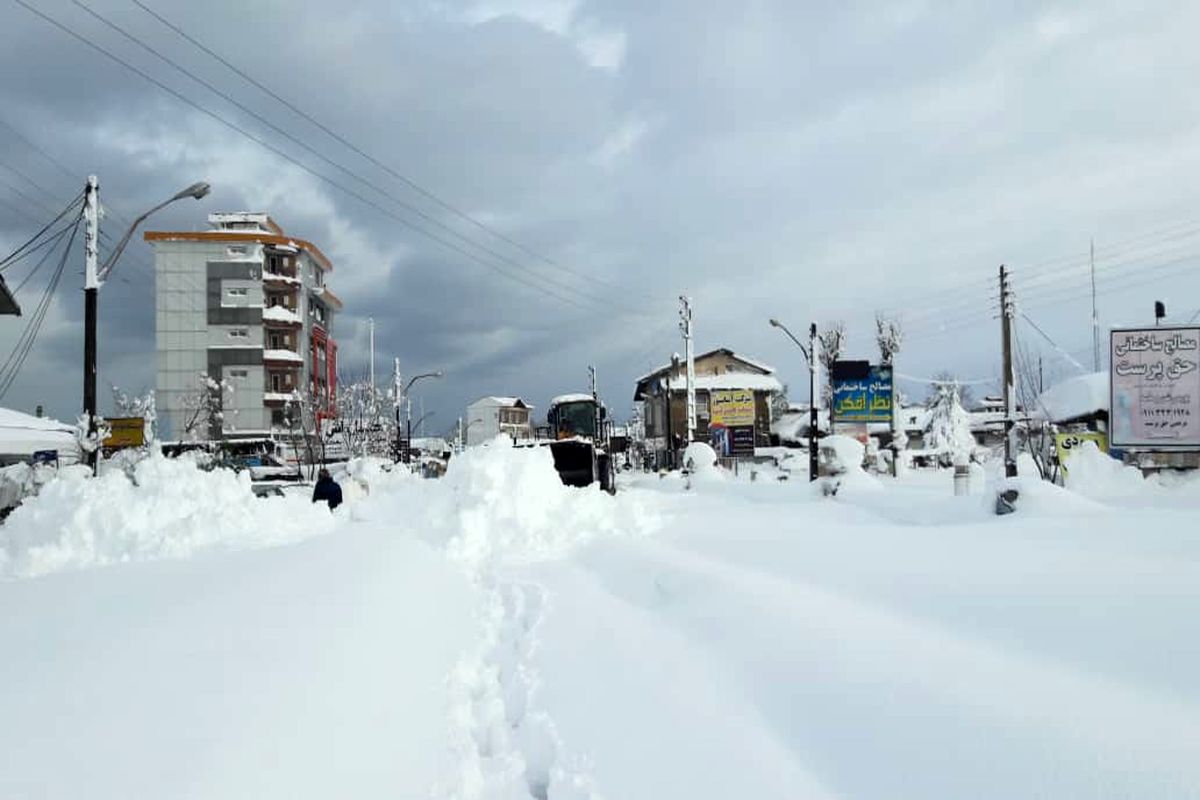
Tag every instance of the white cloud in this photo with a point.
(619, 142)
(599, 47)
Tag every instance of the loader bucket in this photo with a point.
(575, 462)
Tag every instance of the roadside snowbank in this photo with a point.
(169, 509)
(505, 503)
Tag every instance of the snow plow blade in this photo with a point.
(575, 462)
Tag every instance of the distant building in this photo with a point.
(245, 303)
(663, 395)
(488, 417)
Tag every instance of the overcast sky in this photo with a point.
(806, 161)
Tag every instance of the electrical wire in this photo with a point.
(601, 302)
(323, 178)
(21, 251)
(24, 345)
(407, 181)
(51, 242)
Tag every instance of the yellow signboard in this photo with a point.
(126, 432)
(731, 407)
(1066, 443)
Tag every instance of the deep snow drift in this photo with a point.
(496, 635)
(168, 509)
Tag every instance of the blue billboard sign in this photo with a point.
(862, 392)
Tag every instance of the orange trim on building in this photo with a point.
(239, 236)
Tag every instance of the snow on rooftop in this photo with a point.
(575, 397)
(242, 220)
(500, 400)
(1076, 397)
(23, 434)
(738, 380)
(754, 362)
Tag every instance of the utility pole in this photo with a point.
(813, 464)
(396, 386)
(371, 331)
(670, 424)
(1010, 392)
(685, 325)
(1095, 317)
(91, 293)
(597, 422)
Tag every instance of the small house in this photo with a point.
(490, 416)
(663, 395)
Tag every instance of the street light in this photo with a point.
(94, 277)
(809, 355)
(408, 409)
(422, 418)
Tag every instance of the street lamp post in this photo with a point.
(408, 410)
(810, 356)
(466, 428)
(94, 277)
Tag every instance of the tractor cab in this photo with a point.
(579, 442)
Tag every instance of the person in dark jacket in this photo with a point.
(327, 489)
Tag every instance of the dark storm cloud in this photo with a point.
(770, 158)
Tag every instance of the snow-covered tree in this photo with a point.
(204, 409)
(143, 405)
(364, 418)
(889, 336)
(948, 431)
(831, 341)
(91, 441)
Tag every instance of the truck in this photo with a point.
(579, 441)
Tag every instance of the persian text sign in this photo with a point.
(731, 407)
(863, 399)
(1155, 388)
(1067, 443)
(126, 432)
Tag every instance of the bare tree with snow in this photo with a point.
(141, 405)
(204, 410)
(831, 341)
(889, 336)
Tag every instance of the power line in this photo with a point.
(1053, 343)
(21, 251)
(20, 352)
(51, 242)
(267, 146)
(367, 156)
(600, 301)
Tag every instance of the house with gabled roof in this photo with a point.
(663, 395)
(492, 415)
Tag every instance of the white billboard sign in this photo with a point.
(1155, 388)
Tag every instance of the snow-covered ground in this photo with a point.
(496, 635)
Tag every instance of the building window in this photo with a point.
(278, 382)
(238, 373)
(238, 333)
(277, 416)
(236, 250)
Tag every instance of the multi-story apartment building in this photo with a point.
(245, 304)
